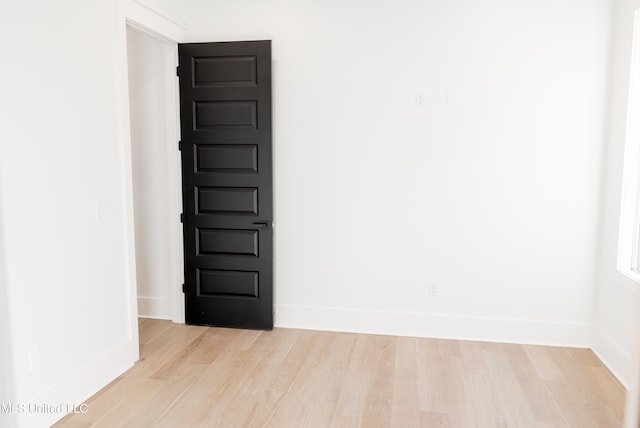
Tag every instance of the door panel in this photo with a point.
(225, 112)
(227, 158)
(225, 71)
(227, 241)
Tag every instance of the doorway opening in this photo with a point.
(155, 161)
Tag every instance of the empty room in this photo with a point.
(320, 213)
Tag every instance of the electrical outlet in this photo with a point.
(433, 289)
(98, 209)
(33, 360)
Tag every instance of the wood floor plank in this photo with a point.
(571, 405)
(246, 405)
(543, 363)
(482, 404)
(435, 420)
(578, 396)
(405, 408)
(441, 374)
(537, 395)
(135, 396)
(357, 378)
(432, 384)
(69, 423)
(305, 387)
(380, 391)
(584, 357)
(454, 395)
(204, 377)
(155, 406)
(345, 422)
(201, 401)
(101, 404)
(609, 390)
(164, 348)
(472, 357)
(204, 349)
(517, 410)
(328, 379)
(149, 329)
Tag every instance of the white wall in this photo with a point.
(493, 199)
(149, 156)
(65, 204)
(617, 306)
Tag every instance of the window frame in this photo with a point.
(629, 233)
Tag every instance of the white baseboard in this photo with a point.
(155, 307)
(434, 325)
(615, 357)
(79, 386)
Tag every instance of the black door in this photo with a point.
(225, 114)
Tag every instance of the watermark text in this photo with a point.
(62, 408)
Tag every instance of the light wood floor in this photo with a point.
(192, 376)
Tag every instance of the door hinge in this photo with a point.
(181, 218)
(184, 288)
(180, 145)
(178, 71)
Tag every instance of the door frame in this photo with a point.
(142, 17)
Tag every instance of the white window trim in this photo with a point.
(629, 234)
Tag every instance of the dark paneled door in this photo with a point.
(225, 114)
